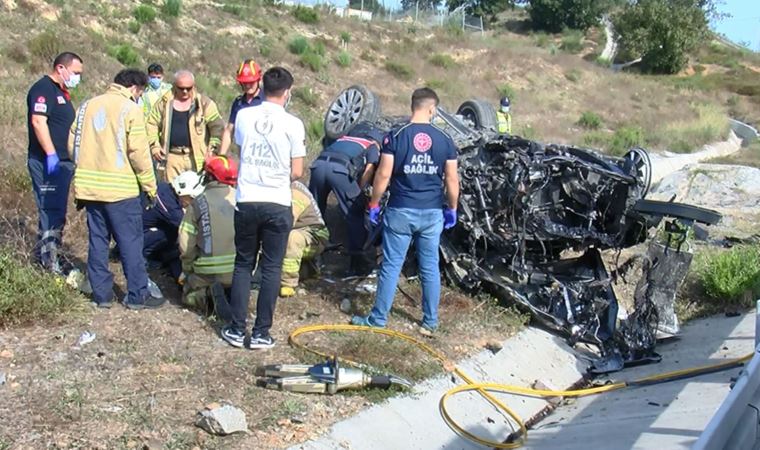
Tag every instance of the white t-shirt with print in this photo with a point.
(269, 137)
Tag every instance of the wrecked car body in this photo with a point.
(533, 219)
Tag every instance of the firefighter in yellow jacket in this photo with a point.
(184, 128)
(306, 240)
(108, 144)
(207, 237)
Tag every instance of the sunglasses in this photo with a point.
(183, 89)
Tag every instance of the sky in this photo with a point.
(744, 25)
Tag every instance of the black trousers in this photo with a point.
(264, 227)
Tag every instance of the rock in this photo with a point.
(7, 354)
(345, 306)
(2, 378)
(221, 420)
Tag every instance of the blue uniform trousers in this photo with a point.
(121, 220)
(51, 194)
(160, 244)
(330, 176)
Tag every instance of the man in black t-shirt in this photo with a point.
(418, 160)
(49, 118)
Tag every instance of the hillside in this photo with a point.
(140, 382)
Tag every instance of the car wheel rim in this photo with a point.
(643, 165)
(345, 110)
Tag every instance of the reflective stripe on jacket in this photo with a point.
(207, 232)
(205, 124)
(107, 142)
(151, 96)
(505, 122)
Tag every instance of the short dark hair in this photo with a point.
(422, 96)
(276, 81)
(156, 68)
(131, 77)
(66, 58)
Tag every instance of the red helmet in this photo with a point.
(222, 169)
(248, 72)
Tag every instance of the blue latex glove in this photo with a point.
(449, 218)
(52, 163)
(374, 214)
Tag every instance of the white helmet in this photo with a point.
(187, 183)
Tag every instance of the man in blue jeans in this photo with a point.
(417, 160)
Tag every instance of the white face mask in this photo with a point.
(505, 109)
(73, 81)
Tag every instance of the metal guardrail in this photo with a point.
(736, 424)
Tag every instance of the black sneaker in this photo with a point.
(104, 305)
(260, 342)
(233, 337)
(148, 303)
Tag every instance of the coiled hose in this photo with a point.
(485, 389)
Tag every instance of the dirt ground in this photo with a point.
(140, 383)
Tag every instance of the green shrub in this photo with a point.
(590, 120)
(728, 275)
(299, 45)
(313, 61)
(31, 295)
(265, 46)
(319, 48)
(343, 59)
(144, 14)
(399, 70)
(16, 52)
(442, 60)
(125, 54)
(542, 39)
(45, 46)
(306, 95)
(573, 75)
(435, 84)
(556, 15)
(625, 138)
(314, 133)
(686, 136)
(572, 41)
(505, 90)
(306, 15)
(345, 37)
(233, 8)
(133, 26)
(172, 8)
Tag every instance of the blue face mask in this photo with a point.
(154, 82)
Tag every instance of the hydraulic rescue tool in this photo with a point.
(326, 378)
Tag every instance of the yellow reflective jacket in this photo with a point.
(306, 212)
(207, 234)
(206, 125)
(107, 142)
(151, 96)
(504, 121)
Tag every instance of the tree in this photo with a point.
(556, 15)
(367, 5)
(484, 8)
(423, 5)
(662, 32)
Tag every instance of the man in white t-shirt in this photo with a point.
(272, 150)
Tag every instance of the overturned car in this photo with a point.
(534, 218)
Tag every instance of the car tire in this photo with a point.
(481, 113)
(677, 210)
(352, 105)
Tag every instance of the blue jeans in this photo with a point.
(121, 220)
(401, 226)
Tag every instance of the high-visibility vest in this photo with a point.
(504, 122)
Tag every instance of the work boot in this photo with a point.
(148, 303)
(359, 267)
(287, 291)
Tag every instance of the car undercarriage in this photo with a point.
(534, 220)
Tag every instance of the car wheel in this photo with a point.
(640, 160)
(479, 113)
(352, 105)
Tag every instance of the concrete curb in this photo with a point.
(667, 163)
(413, 421)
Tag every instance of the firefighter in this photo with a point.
(249, 78)
(346, 167)
(161, 222)
(306, 240)
(207, 237)
(184, 127)
(503, 117)
(156, 88)
(49, 118)
(107, 143)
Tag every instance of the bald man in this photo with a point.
(184, 127)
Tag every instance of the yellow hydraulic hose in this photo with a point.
(485, 389)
